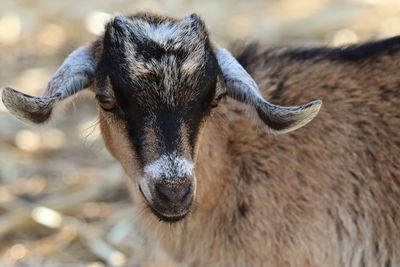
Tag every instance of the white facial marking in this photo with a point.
(160, 33)
(176, 33)
(169, 166)
(171, 36)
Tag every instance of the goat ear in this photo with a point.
(241, 86)
(75, 73)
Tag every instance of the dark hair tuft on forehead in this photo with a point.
(152, 18)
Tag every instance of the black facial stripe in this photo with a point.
(193, 125)
(170, 95)
(135, 125)
(170, 135)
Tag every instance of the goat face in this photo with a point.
(156, 80)
(159, 79)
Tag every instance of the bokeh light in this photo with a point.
(95, 21)
(344, 37)
(10, 28)
(47, 217)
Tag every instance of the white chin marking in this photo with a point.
(169, 166)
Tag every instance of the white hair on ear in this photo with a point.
(27, 108)
(73, 75)
(241, 86)
(238, 82)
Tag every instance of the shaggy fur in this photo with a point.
(325, 195)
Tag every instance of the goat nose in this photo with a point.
(173, 193)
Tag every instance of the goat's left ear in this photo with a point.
(241, 86)
(75, 74)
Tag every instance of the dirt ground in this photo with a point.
(62, 197)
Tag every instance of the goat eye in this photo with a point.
(215, 101)
(106, 103)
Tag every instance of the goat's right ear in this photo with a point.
(75, 74)
(241, 86)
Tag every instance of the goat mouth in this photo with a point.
(160, 215)
(167, 218)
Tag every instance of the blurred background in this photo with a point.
(62, 197)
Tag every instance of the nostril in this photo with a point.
(162, 192)
(173, 193)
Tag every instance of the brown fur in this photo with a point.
(325, 195)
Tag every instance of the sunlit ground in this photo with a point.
(62, 197)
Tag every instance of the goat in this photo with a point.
(190, 127)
